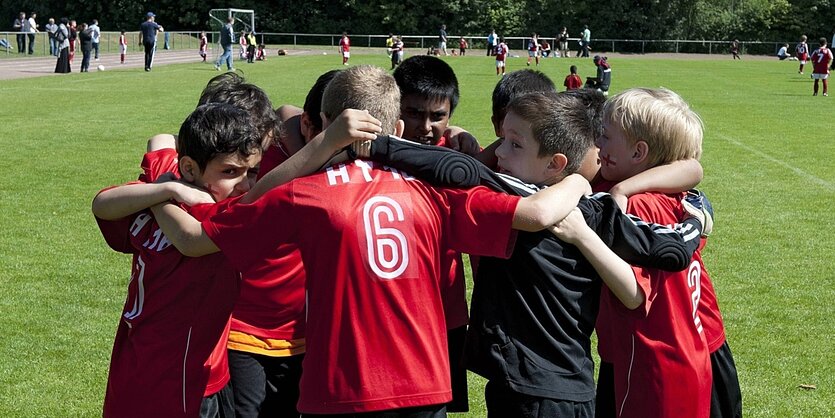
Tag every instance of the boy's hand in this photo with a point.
(189, 194)
(572, 228)
(462, 141)
(351, 125)
(698, 206)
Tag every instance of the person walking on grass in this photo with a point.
(227, 39)
(149, 30)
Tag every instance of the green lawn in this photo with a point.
(768, 158)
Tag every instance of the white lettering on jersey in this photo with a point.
(137, 275)
(341, 173)
(160, 242)
(366, 170)
(397, 174)
(694, 282)
(388, 251)
(139, 223)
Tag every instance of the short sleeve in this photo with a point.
(246, 233)
(480, 221)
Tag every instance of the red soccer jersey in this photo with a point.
(572, 82)
(660, 356)
(821, 59)
(533, 46)
(801, 51)
(376, 337)
(273, 156)
(169, 349)
(122, 40)
(501, 52)
(345, 44)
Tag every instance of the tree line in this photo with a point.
(747, 20)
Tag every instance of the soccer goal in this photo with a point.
(244, 21)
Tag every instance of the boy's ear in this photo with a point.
(640, 152)
(306, 126)
(557, 163)
(399, 127)
(325, 121)
(189, 170)
(497, 126)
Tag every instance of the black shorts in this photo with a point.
(264, 385)
(218, 404)
(726, 398)
(503, 402)
(458, 373)
(605, 401)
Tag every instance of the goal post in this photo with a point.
(244, 21)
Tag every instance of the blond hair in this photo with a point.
(662, 119)
(364, 87)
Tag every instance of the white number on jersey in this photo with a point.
(694, 282)
(138, 276)
(388, 251)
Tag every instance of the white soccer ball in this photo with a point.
(100, 67)
(324, 53)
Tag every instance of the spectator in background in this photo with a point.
(462, 46)
(20, 26)
(492, 41)
(585, 42)
(32, 28)
(442, 37)
(85, 37)
(123, 47)
(389, 44)
(73, 39)
(62, 36)
(832, 49)
(242, 43)
(227, 39)
(562, 41)
(95, 34)
(783, 53)
(545, 48)
(735, 49)
(51, 28)
(149, 30)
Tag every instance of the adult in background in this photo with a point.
(20, 27)
(491, 42)
(51, 28)
(832, 49)
(251, 42)
(85, 38)
(585, 40)
(32, 28)
(227, 39)
(149, 30)
(95, 34)
(442, 37)
(62, 36)
(73, 39)
(562, 42)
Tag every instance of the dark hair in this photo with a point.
(822, 41)
(215, 129)
(573, 69)
(313, 101)
(231, 88)
(429, 77)
(591, 101)
(516, 84)
(557, 123)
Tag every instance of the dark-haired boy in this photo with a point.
(384, 233)
(821, 58)
(166, 356)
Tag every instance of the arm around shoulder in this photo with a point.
(184, 232)
(549, 206)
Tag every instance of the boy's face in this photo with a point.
(590, 165)
(616, 153)
(426, 120)
(518, 155)
(228, 175)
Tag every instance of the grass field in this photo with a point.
(769, 171)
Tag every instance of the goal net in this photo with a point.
(244, 21)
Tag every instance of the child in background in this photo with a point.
(604, 75)
(167, 360)
(546, 48)
(821, 59)
(261, 53)
(204, 46)
(501, 56)
(396, 51)
(783, 53)
(735, 49)
(123, 47)
(801, 51)
(242, 44)
(533, 49)
(462, 46)
(572, 80)
(345, 48)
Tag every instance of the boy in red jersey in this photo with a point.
(501, 56)
(345, 48)
(533, 50)
(376, 238)
(572, 80)
(204, 45)
(657, 360)
(821, 59)
(123, 47)
(462, 46)
(801, 51)
(166, 355)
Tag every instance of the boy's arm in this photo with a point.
(184, 232)
(675, 177)
(291, 137)
(616, 273)
(549, 206)
(462, 141)
(121, 201)
(351, 125)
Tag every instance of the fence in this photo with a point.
(190, 40)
